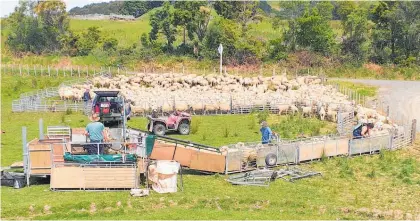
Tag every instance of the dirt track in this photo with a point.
(403, 97)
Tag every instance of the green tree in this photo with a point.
(315, 32)
(277, 49)
(185, 15)
(345, 8)
(242, 12)
(325, 9)
(222, 31)
(88, 41)
(138, 8)
(355, 44)
(54, 20)
(396, 35)
(110, 45)
(38, 27)
(162, 21)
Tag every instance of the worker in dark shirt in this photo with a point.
(362, 130)
(86, 97)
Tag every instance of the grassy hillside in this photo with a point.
(126, 32)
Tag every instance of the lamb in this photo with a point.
(321, 113)
(332, 115)
(306, 111)
(283, 108)
(294, 109)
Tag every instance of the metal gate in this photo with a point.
(345, 122)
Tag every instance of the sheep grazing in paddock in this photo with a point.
(332, 115)
(321, 113)
(283, 108)
(293, 109)
(306, 111)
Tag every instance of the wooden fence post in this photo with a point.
(34, 70)
(56, 71)
(71, 71)
(413, 131)
(27, 68)
(40, 74)
(109, 70)
(183, 68)
(87, 72)
(64, 71)
(78, 70)
(49, 72)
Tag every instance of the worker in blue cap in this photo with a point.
(265, 133)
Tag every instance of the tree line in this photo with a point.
(379, 32)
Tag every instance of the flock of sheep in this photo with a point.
(227, 93)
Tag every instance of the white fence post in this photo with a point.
(20, 70)
(34, 70)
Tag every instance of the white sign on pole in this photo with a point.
(220, 49)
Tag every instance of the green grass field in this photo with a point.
(383, 186)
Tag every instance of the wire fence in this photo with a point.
(86, 71)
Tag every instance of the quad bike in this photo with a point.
(177, 121)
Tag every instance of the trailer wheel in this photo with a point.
(271, 160)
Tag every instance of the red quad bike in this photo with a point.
(177, 121)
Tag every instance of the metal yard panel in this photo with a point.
(287, 153)
(310, 151)
(67, 177)
(104, 177)
(234, 161)
(336, 147)
(86, 176)
(369, 145)
(263, 152)
(183, 155)
(402, 137)
(208, 162)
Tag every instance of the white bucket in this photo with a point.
(164, 176)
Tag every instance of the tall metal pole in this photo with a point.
(221, 68)
(41, 129)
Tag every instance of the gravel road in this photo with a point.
(403, 97)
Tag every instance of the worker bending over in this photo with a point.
(95, 130)
(362, 130)
(265, 133)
